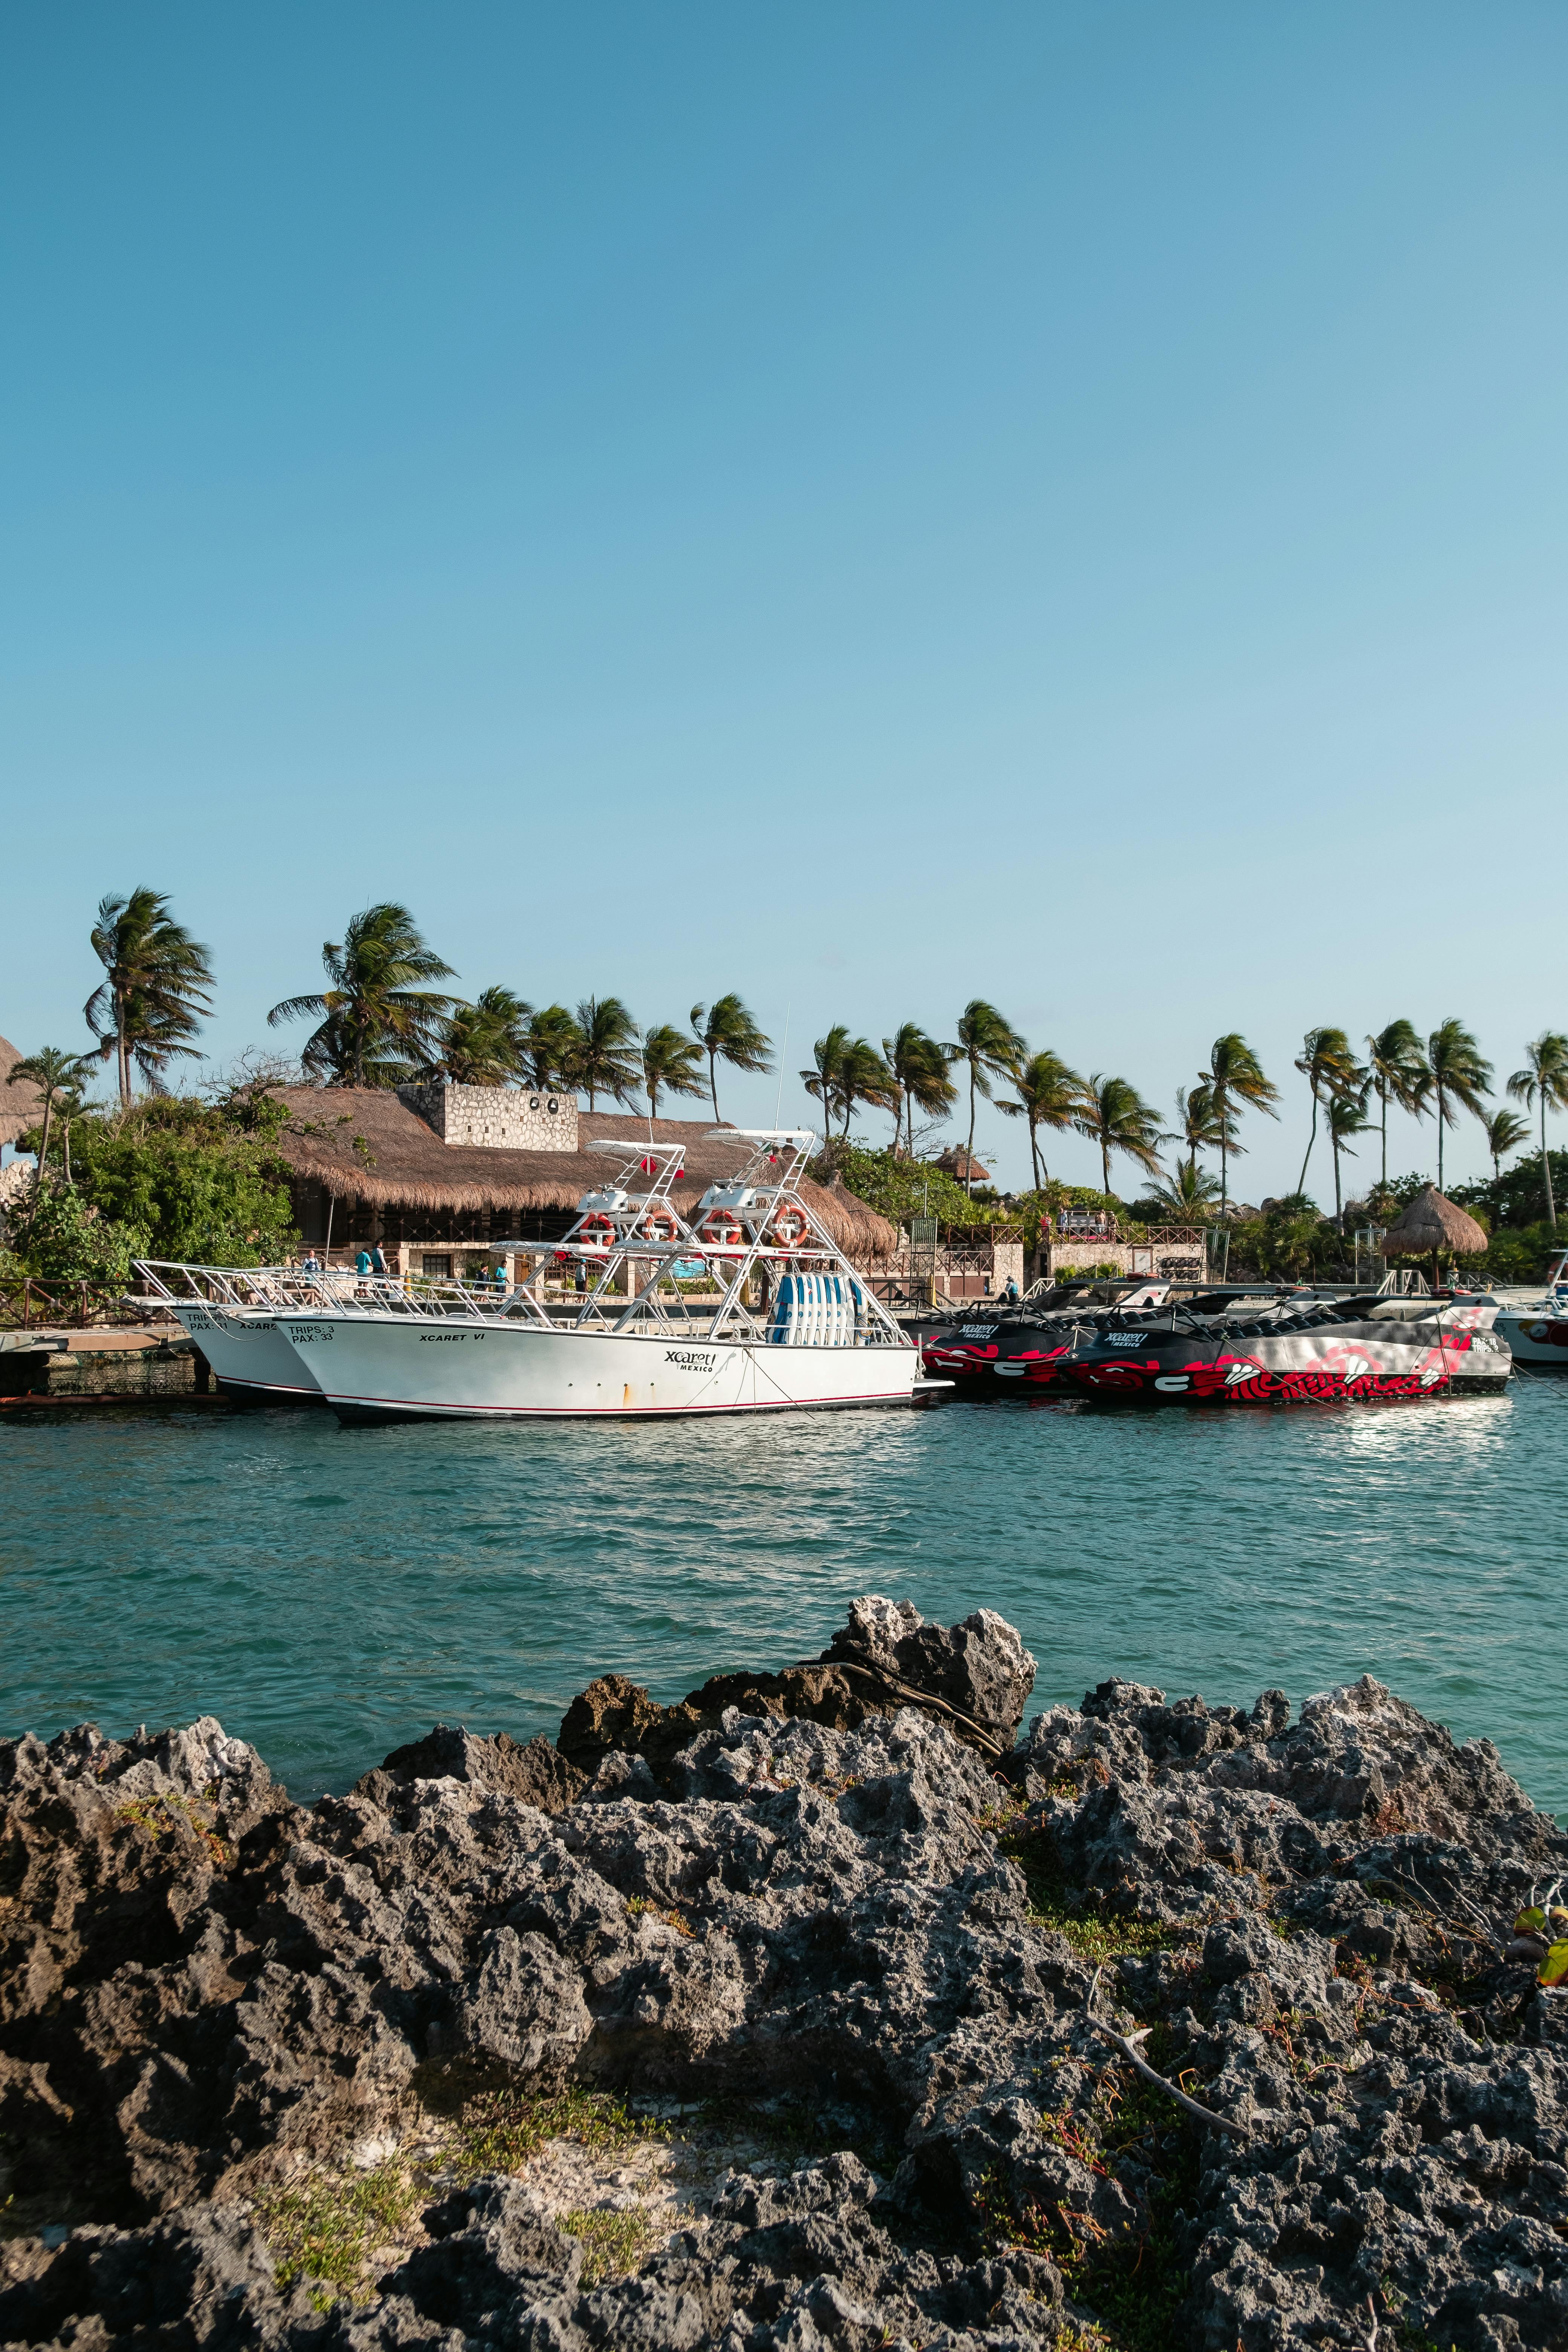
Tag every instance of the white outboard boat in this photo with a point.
(773, 1318)
(1538, 1334)
(231, 1313)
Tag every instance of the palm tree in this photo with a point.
(1505, 1131)
(918, 1067)
(1115, 1115)
(604, 1061)
(159, 978)
(825, 1077)
(1328, 1063)
(671, 1064)
(1201, 1127)
(549, 1044)
(1346, 1116)
(864, 1076)
(1543, 1080)
(1187, 1195)
(374, 1024)
(59, 1076)
(1458, 1076)
(727, 1032)
(1236, 1081)
(993, 1049)
(482, 1044)
(1400, 1072)
(1049, 1094)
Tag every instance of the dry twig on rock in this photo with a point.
(1162, 2082)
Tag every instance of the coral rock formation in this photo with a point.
(840, 1891)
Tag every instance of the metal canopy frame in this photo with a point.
(755, 1220)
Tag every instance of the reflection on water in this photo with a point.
(327, 1593)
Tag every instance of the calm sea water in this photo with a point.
(330, 1593)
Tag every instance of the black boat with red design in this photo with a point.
(1213, 1349)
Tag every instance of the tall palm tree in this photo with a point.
(1346, 1116)
(864, 1076)
(1235, 1082)
(727, 1032)
(550, 1043)
(918, 1067)
(604, 1060)
(671, 1064)
(1504, 1131)
(1543, 1080)
(482, 1044)
(1049, 1094)
(1200, 1127)
(1458, 1076)
(1328, 1063)
(991, 1048)
(149, 1005)
(1400, 1074)
(59, 1076)
(1115, 1115)
(825, 1078)
(376, 1024)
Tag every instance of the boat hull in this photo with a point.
(1336, 1364)
(393, 1368)
(250, 1356)
(1536, 1339)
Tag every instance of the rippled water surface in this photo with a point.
(329, 1593)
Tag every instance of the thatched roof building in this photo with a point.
(960, 1165)
(21, 1105)
(389, 1177)
(1433, 1227)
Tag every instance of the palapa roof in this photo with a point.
(963, 1165)
(1432, 1222)
(21, 1105)
(411, 1168)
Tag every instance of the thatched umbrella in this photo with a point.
(1433, 1227)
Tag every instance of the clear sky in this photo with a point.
(867, 506)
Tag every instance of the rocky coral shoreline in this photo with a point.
(822, 2009)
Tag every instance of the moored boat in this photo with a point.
(1538, 1334)
(1022, 1348)
(232, 1315)
(1365, 1349)
(748, 1306)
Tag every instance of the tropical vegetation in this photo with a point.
(182, 1178)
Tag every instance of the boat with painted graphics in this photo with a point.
(1371, 1348)
(1022, 1347)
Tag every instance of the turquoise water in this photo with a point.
(329, 1593)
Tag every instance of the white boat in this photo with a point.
(1538, 1333)
(232, 1314)
(786, 1321)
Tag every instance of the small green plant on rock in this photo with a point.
(499, 2131)
(1091, 1924)
(325, 2230)
(613, 2243)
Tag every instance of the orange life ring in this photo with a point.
(790, 1226)
(598, 1232)
(660, 1226)
(722, 1229)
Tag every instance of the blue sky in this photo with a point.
(864, 506)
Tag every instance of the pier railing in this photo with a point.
(29, 1305)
